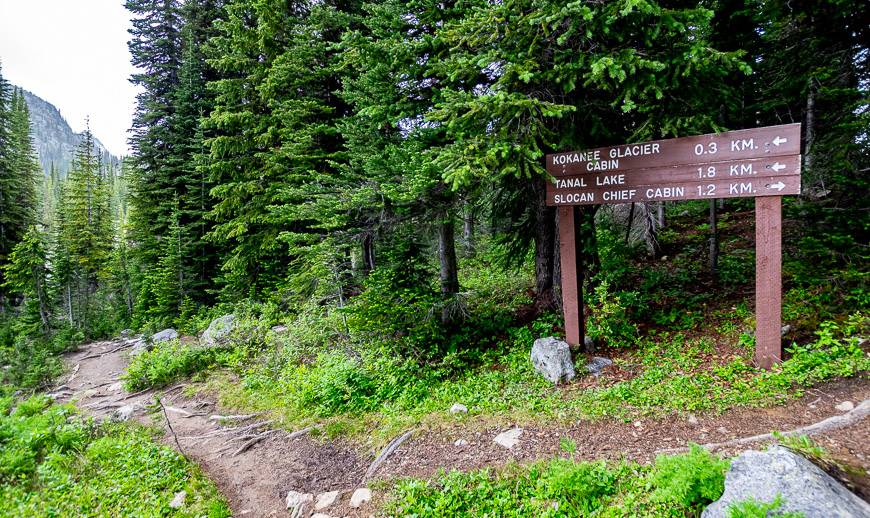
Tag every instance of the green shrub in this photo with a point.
(692, 480)
(754, 509)
(674, 486)
(610, 321)
(167, 362)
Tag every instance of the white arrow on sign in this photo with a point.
(779, 140)
(777, 166)
(778, 186)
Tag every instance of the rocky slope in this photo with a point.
(55, 141)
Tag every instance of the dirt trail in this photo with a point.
(257, 480)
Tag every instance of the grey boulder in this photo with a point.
(801, 485)
(164, 336)
(219, 331)
(146, 345)
(551, 357)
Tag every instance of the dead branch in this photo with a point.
(74, 372)
(386, 452)
(169, 424)
(245, 447)
(242, 417)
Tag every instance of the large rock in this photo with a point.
(164, 336)
(551, 357)
(142, 345)
(802, 486)
(218, 332)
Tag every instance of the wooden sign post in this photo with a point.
(763, 163)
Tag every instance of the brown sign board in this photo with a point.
(773, 176)
(763, 163)
(770, 141)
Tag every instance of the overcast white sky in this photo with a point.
(73, 54)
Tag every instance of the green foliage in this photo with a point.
(56, 464)
(168, 361)
(754, 509)
(674, 486)
(693, 479)
(18, 180)
(609, 321)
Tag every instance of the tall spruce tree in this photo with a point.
(155, 47)
(84, 235)
(529, 77)
(18, 178)
(243, 134)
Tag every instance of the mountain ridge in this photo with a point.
(54, 139)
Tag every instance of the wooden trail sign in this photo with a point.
(763, 163)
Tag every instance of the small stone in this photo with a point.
(551, 357)
(460, 442)
(116, 387)
(279, 329)
(786, 329)
(124, 413)
(638, 424)
(325, 500)
(845, 406)
(693, 420)
(510, 438)
(588, 343)
(664, 258)
(458, 408)
(297, 502)
(320, 515)
(178, 500)
(360, 497)
(722, 430)
(597, 365)
(126, 333)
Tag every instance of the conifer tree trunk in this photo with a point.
(545, 257)
(449, 269)
(468, 230)
(714, 240)
(368, 251)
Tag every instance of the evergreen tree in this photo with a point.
(243, 135)
(26, 273)
(18, 177)
(85, 233)
(155, 47)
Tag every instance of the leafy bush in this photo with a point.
(692, 480)
(674, 486)
(754, 509)
(609, 321)
(53, 463)
(167, 362)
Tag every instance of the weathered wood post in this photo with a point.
(768, 280)
(572, 296)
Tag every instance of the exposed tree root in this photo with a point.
(826, 425)
(386, 452)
